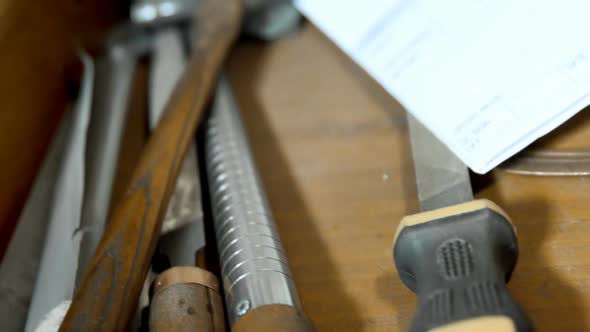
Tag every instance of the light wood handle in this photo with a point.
(108, 294)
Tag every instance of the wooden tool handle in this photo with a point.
(274, 317)
(108, 294)
(458, 259)
(186, 299)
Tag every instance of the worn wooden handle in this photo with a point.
(186, 299)
(108, 294)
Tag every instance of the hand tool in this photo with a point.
(186, 299)
(179, 245)
(260, 292)
(107, 296)
(57, 269)
(168, 60)
(80, 232)
(114, 76)
(549, 163)
(458, 253)
(115, 72)
(185, 296)
(182, 228)
(20, 265)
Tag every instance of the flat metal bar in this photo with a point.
(441, 178)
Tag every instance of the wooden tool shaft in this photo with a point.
(108, 294)
(186, 299)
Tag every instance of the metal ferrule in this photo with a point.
(253, 263)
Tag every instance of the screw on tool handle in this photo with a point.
(457, 260)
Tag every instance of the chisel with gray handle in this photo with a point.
(458, 253)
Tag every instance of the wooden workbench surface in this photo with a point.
(334, 158)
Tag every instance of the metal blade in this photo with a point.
(441, 178)
(168, 62)
(113, 82)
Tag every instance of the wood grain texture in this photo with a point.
(333, 155)
(272, 318)
(135, 134)
(108, 294)
(38, 43)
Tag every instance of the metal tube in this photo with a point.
(254, 267)
(59, 258)
(113, 82)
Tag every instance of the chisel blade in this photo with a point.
(441, 178)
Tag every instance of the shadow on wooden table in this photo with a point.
(398, 118)
(403, 302)
(290, 211)
(552, 303)
(388, 286)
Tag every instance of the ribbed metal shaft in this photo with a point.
(254, 265)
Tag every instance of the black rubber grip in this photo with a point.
(459, 265)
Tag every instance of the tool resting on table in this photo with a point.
(259, 289)
(186, 298)
(457, 254)
(107, 296)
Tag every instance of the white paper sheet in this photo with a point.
(486, 77)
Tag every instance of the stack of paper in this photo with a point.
(486, 77)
